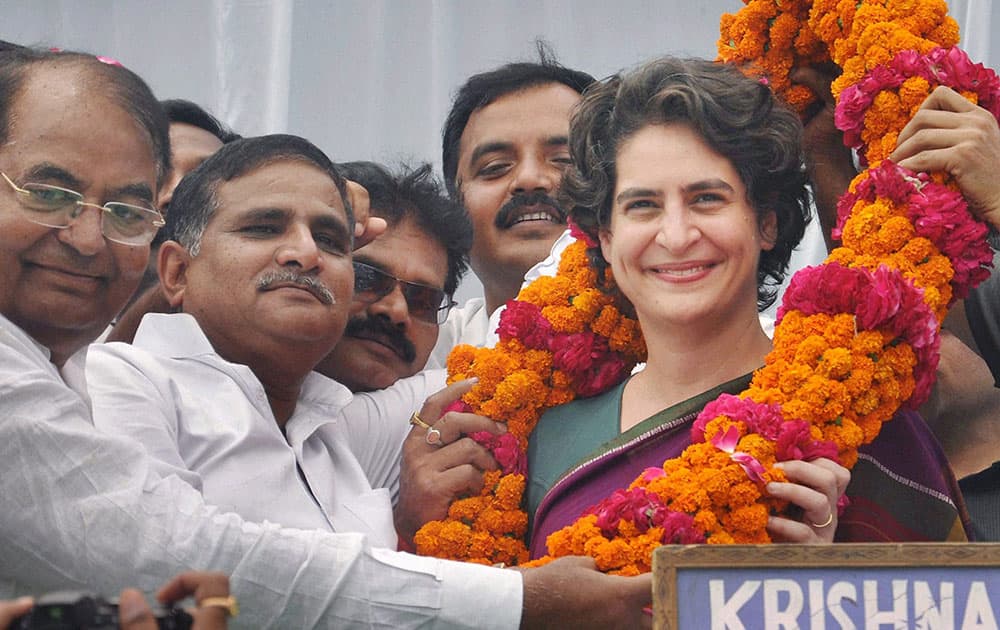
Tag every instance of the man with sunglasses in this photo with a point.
(404, 280)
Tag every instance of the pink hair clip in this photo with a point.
(109, 60)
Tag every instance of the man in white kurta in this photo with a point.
(207, 421)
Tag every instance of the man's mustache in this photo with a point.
(312, 284)
(379, 327)
(513, 208)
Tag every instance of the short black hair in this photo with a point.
(484, 88)
(195, 199)
(414, 193)
(183, 111)
(123, 85)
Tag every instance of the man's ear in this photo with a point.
(172, 265)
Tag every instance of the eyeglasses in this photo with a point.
(425, 303)
(56, 207)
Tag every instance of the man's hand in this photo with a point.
(950, 134)
(440, 464)
(9, 611)
(366, 227)
(572, 593)
(134, 613)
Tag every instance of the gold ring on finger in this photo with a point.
(417, 422)
(825, 524)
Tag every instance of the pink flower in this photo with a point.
(760, 418)
(908, 63)
(829, 288)
(725, 405)
(577, 232)
(795, 442)
(878, 302)
(588, 359)
(645, 510)
(850, 114)
(679, 529)
(652, 473)
(727, 442)
(506, 450)
(941, 215)
(573, 353)
(624, 504)
(607, 370)
(524, 321)
(458, 405)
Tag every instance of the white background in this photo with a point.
(373, 79)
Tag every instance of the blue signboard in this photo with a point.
(840, 599)
(941, 586)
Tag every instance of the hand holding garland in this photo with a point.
(571, 593)
(948, 133)
(816, 487)
(433, 475)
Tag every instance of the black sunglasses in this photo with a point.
(425, 303)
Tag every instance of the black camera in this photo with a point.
(76, 610)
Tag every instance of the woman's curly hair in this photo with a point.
(738, 117)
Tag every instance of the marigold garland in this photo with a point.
(857, 337)
(562, 338)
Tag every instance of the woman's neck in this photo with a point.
(684, 362)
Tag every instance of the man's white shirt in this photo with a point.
(208, 421)
(88, 510)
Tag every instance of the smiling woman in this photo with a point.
(607, 474)
(690, 183)
(684, 240)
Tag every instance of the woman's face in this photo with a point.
(683, 241)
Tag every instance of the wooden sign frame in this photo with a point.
(670, 560)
